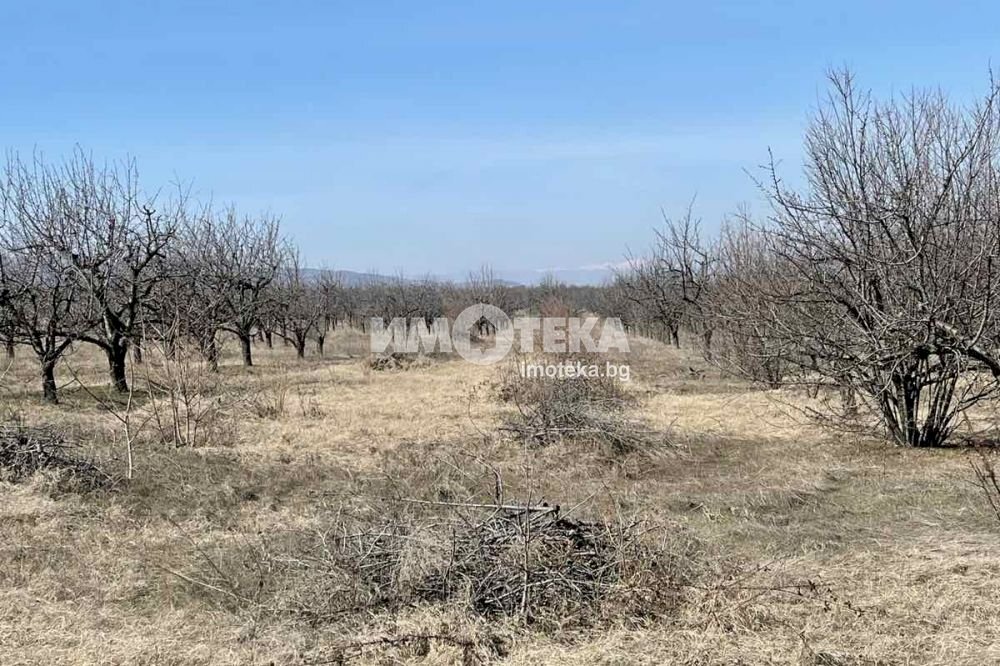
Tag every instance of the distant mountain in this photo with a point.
(350, 278)
(595, 274)
(356, 278)
(583, 275)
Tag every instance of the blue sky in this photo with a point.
(435, 136)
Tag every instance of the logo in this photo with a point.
(497, 334)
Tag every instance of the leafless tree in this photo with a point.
(192, 301)
(242, 255)
(671, 280)
(611, 300)
(750, 323)
(890, 250)
(40, 305)
(484, 286)
(329, 292)
(110, 235)
(298, 301)
(43, 312)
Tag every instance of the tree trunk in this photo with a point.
(49, 394)
(210, 351)
(9, 347)
(246, 349)
(675, 337)
(320, 341)
(899, 410)
(269, 339)
(137, 352)
(117, 358)
(300, 346)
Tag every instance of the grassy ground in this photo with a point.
(810, 548)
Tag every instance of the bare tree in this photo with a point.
(484, 286)
(40, 304)
(299, 303)
(243, 254)
(328, 291)
(111, 235)
(752, 342)
(612, 300)
(42, 311)
(889, 250)
(670, 282)
(192, 301)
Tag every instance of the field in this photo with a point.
(787, 544)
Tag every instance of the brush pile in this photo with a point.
(533, 563)
(529, 564)
(396, 362)
(27, 450)
(550, 410)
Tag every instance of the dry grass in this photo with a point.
(797, 546)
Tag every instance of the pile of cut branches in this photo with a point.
(532, 562)
(527, 563)
(396, 362)
(26, 450)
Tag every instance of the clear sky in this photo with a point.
(434, 136)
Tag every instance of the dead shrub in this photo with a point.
(590, 409)
(188, 402)
(269, 401)
(513, 386)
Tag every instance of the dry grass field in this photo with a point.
(775, 542)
